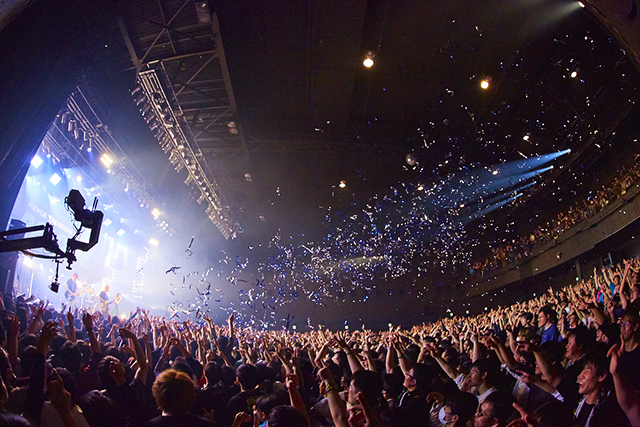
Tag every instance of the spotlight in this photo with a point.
(55, 179)
(106, 160)
(368, 60)
(526, 137)
(202, 12)
(484, 84)
(342, 184)
(574, 74)
(153, 242)
(36, 161)
(495, 172)
(581, 4)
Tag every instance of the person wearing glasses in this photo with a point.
(630, 336)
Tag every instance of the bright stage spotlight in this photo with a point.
(36, 161)
(55, 179)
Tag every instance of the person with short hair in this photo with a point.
(458, 409)
(547, 318)
(495, 411)
(630, 335)
(175, 394)
(598, 406)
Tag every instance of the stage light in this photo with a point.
(368, 60)
(574, 74)
(107, 222)
(153, 242)
(55, 179)
(484, 84)
(526, 137)
(581, 4)
(89, 148)
(36, 161)
(342, 184)
(420, 187)
(120, 232)
(202, 12)
(79, 178)
(495, 172)
(156, 213)
(106, 160)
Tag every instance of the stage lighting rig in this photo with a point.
(91, 219)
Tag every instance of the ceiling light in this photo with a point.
(106, 160)
(526, 137)
(156, 213)
(342, 184)
(36, 161)
(484, 84)
(79, 178)
(420, 187)
(153, 242)
(106, 222)
(495, 172)
(120, 232)
(55, 179)
(202, 12)
(368, 60)
(574, 74)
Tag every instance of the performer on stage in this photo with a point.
(103, 301)
(71, 289)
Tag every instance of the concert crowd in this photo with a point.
(570, 357)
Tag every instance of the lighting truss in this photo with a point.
(166, 123)
(78, 124)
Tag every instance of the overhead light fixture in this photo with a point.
(369, 60)
(342, 184)
(120, 232)
(55, 179)
(574, 74)
(106, 160)
(153, 242)
(202, 12)
(484, 84)
(36, 161)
